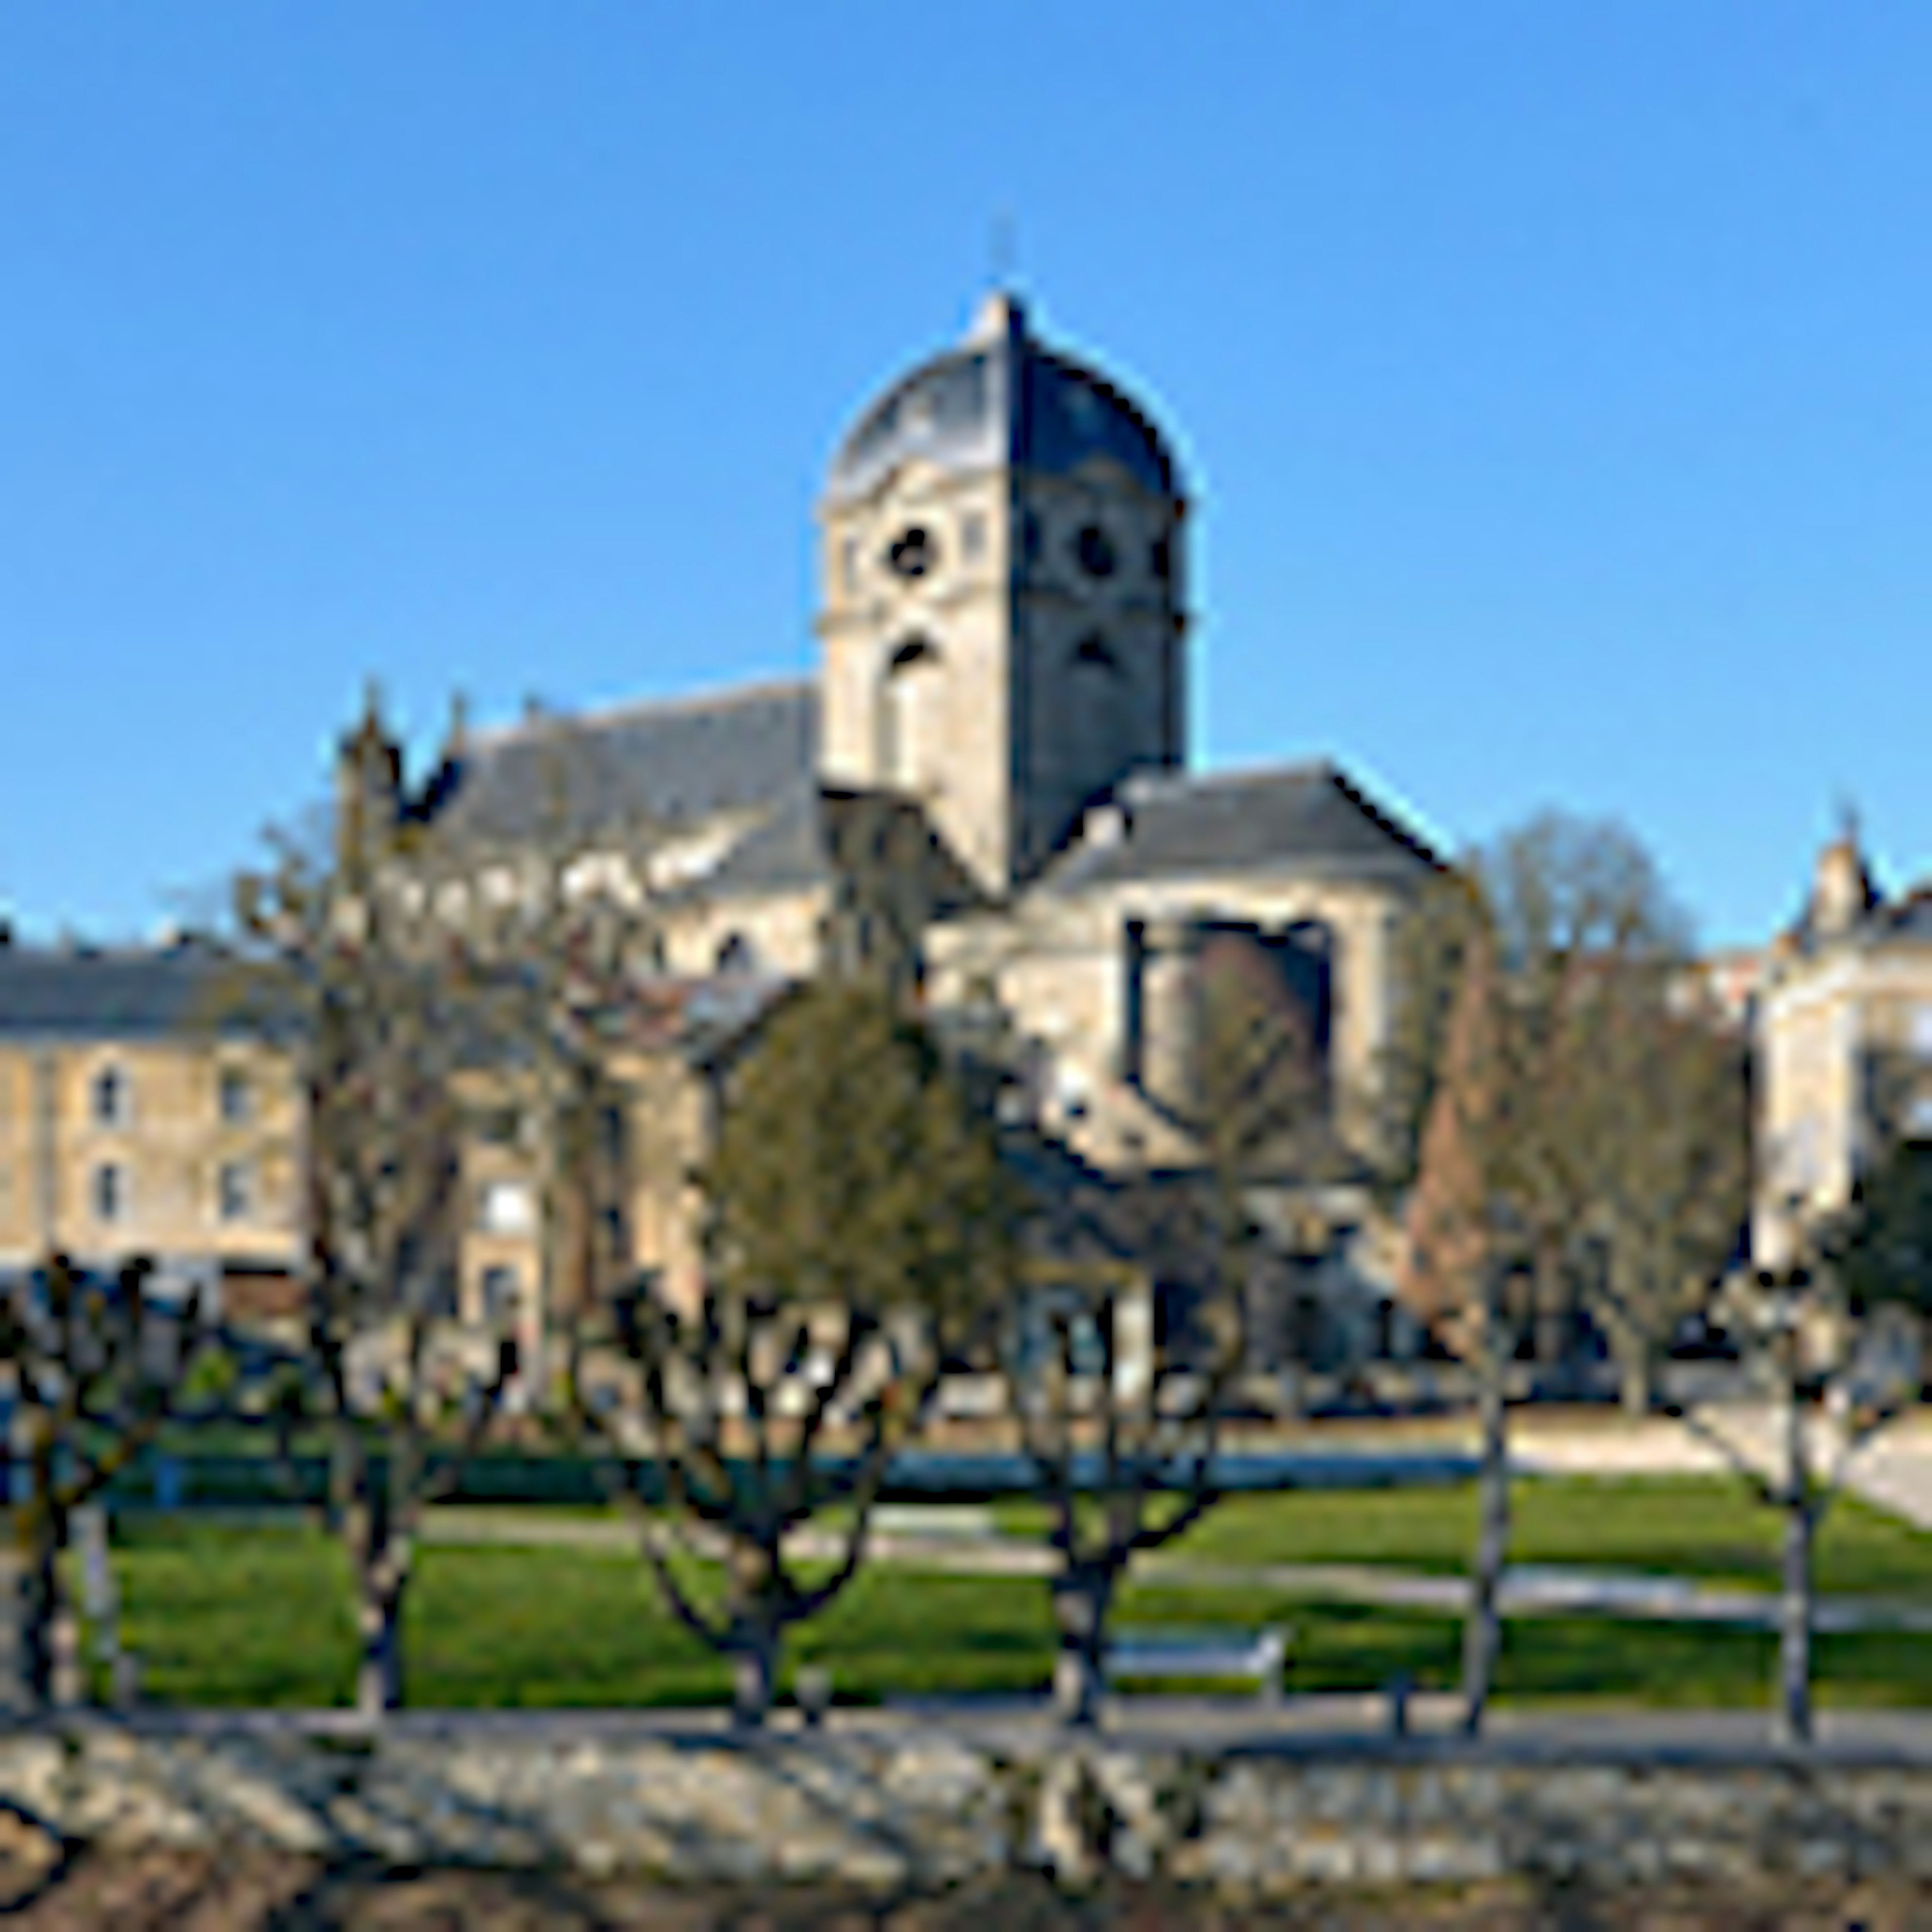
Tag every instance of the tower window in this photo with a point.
(915, 650)
(1093, 650)
(1160, 557)
(111, 1098)
(848, 563)
(1095, 550)
(915, 553)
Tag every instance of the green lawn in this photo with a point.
(1704, 1526)
(261, 1616)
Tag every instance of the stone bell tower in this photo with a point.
(1001, 609)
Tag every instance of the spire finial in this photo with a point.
(1848, 820)
(1002, 250)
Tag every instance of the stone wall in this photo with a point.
(892, 1807)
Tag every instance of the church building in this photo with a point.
(983, 792)
(986, 781)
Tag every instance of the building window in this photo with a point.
(234, 1191)
(110, 1192)
(1921, 1030)
(502, 1289)
(234, 1096)
(736, 954)
(1094, 652)
(112, 1099)
(972, 536)
(848, 563)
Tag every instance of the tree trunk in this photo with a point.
(1795, 1608)
(1482, 1631)
(1081, 1602)
(754, 1672)
(1634, 1377)
(28, 1584)
(755, 1630)
(379, 1675)
(67, 1679)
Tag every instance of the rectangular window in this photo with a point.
(502, 1290)
(235, 1096)
(110, 1192)
(234, 1191)
(1921, 1030)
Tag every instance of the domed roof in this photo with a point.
(1000, 398)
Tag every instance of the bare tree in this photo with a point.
(1559, 1122)
(1664, 1123)
(92, 1368)
(1120, 1416)
(378, 1000)
(1461, 1241)
(1834, 1342)
(859, 1237)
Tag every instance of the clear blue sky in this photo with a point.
(1554, 382)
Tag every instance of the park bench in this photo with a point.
(1259, 1655)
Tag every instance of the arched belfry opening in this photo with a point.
(911, 719)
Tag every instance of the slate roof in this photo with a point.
(651, 767)
(1907, 917)
(1001, 398)
(1307, 819)
(80, 994)
(786, 849)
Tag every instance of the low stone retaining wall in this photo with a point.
(920, 1808)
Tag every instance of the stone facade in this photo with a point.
(131, 1122)
(1843, 1033)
